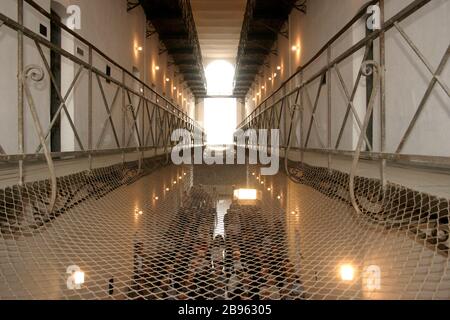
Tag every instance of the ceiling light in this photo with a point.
(167, 189)
(269, 189)
(279, 68)
(167, 79)
(139, 49)
(347, 272)
(294, 48)
(156, 198)
(279, 197)
(180, 94)
(156, 68)
(263, 87)
(175, 88)
(275, 75)
(270, 78)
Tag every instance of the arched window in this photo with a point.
(220, 76)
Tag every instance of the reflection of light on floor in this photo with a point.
(222, 208)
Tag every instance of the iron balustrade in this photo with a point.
(151, 117)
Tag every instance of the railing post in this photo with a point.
(302, 137)
(329, 105)
(90, 118)
(382, 93)
(124, 114)
(20, 103)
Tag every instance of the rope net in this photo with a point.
(121, 233)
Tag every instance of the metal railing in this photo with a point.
(286, 106)
(150, 116)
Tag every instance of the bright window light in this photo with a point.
(246, 194)
(220, 76)
(347, 272)
(220, 120)
(220, 115)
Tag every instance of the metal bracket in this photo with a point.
(150, 29)
(284, 33)
(132, 5)
(301, 6)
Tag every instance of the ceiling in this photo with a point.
(219, 24)
(195, 32)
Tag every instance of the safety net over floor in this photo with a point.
(121, 233)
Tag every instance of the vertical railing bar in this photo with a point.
(329, 103)
(20, 102)
(90, 108)
(383, 94)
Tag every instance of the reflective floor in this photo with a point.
(179, 234)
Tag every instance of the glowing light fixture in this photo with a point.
(246, 194)
(167, 189)
(295, 48)
(278, 68)
(185, 173)
(156, 198)
(279, 197)
(167, 79)
(157, 68)
(275, 75)
(270, 78)
(269, 189)
(175, 88)
(347, 272)
(140, 49)
(263, 87)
